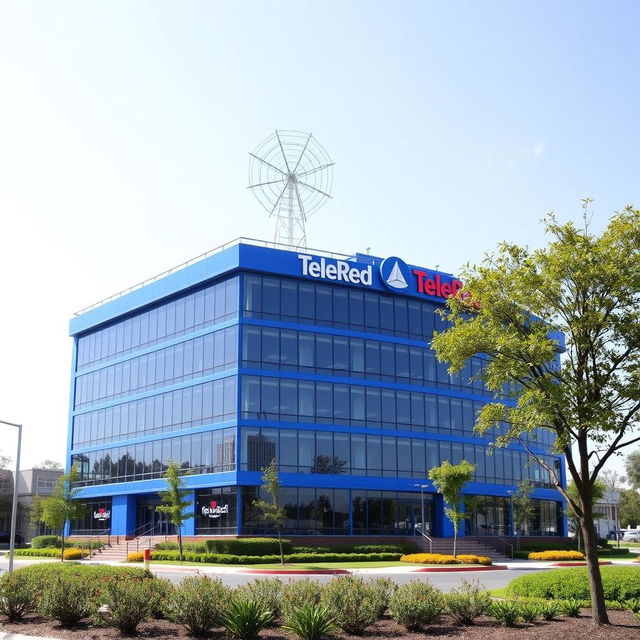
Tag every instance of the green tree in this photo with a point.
(449, 479)
(523, 508)
(174, 502)
(516, 307)
(49, 464)
(632, 467)
(271, 509)
(629, 508)
(61, 506)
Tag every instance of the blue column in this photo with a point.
(443, 527)
(188, 527)
(123, 515)
(462, 529)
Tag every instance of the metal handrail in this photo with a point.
(98, 534)
(202, 256)
(424, 535)
(501, 539)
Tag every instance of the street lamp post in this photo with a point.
(14, 506)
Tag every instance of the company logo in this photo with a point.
(395, 273)
(102, 514)
(215, 510)
(338, 270)
(436, 286)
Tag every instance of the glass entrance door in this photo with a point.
(151, 521)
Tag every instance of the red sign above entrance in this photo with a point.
(435, 286)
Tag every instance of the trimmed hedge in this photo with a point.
(360, 548)
(222, 558)
(70, 553)
(248, 546)
(620, 583)
(556, 555)
(46, 542)
(443, 558)
(193, 547)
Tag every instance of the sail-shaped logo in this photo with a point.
(395, 273)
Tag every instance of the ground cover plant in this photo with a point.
(353, 604)
(443, 558)
(416, 605)
(468, 602)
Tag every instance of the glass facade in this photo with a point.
(327, 379)
(208, 452)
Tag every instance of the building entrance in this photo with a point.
(151, 521)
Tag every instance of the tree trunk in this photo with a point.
(455, 541)
(180, 543)
(598, 607)
(62, 547)
(280, 544)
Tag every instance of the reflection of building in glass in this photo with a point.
(260, 453)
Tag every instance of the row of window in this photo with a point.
(325, 452)
(359, 406)
(336, 306)
(201, 404)
(209, 452)
(271, 348)
(201, 356)
(358, 512)
(209, 305)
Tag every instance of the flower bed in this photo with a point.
(69, 554)
(556, 555)
(441, 558)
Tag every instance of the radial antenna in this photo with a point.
(291, 175)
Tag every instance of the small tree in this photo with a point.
(61, 506)
(629, 508)
(53, 465)
(449, 480)
(522, 508)
(173, 501)
(272, 510)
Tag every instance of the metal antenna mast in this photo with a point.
(291, 176)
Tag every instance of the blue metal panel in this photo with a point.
(123, 515)
(186, 278)
(72, 395)
(188, 527)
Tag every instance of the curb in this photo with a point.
(580, 564)
(495, 567)
(296, 572)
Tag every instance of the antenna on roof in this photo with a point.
(291, 175)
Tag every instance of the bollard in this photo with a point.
(147, 558)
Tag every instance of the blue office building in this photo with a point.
(321, 361)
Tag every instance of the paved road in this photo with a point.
(444, 581)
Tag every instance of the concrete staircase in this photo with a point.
(465, 546)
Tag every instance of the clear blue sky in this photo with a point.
(125, 127)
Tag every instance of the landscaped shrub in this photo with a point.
(127, 605)
(16, 597)
(69, 554)
(310, 622)
(556, 555)
(248, 546)
(46, 542)
(298, 593)
(66, 599)
(244, 619)
(384, 589)
(633, 605)
(353, 604)
(136, 556)
(529, 611)
(220, 558)
(473, 559)
(197, 603)
(442, 558)
(549, 610)
(619, 583)
(265, 591)
(571, 607)
(415, 605)
(544, 546)
(192, 547)
(468, 601)
(506, 612)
